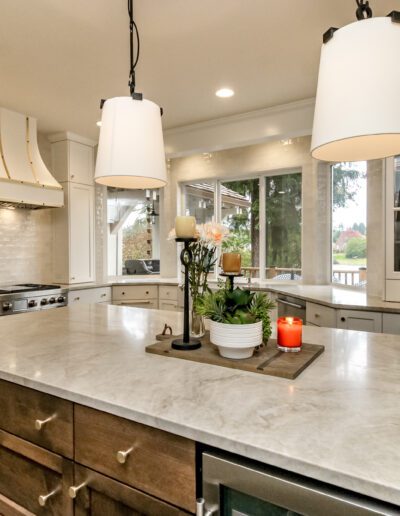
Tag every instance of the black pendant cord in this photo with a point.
(133, 59)
(364, 11)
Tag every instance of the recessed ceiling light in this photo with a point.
(224, 93)
(98, 123)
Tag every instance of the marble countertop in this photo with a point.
(337, 422)
(336, 297)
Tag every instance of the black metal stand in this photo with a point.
(230, 277)
(186, 343)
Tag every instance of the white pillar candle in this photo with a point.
(185, 227)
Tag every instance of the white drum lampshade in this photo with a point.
(357, 112)
(131, 146)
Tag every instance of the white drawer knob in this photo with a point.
(122, 456)
(73, 490)
(43, 498)
(40, 423)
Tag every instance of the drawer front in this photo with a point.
(359, 320)
(168, 293)
(320, 315)
(169, 305)
(135, 292)
(90, 295)
(104, 496)
(157, 462)
(139, 303)
(21, 409)
(22, 481)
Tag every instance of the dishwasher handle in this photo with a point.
(288, 303)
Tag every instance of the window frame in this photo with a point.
(261, 176)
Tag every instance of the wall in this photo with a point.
(26, 239)
(25, 246)
(249, 161)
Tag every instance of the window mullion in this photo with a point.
(262, 232)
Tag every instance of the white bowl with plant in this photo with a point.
(239, 320)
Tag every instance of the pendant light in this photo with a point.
(131, 147)
(357, 111)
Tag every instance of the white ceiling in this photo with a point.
(58, 58)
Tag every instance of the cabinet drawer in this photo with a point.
(168, 293)
(103, 496)
(169, 305)
(135, 292)
(90, 295)
(158, 463)
(359, 320)
(28, 472)
(320, 315)
(22, 408)
(139, 303)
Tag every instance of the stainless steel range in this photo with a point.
(30, 297)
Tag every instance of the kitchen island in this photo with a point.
(338, 422)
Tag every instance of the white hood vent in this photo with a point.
(24, 178)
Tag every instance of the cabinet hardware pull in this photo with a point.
(43, 498)
(201, 509)
(76, 298)
(123, 293)
(132, 303)
(317, 315)
(123, 455)
(39, 423)
(73, 490)
(343, 319)
(147, 292)
(103, 295)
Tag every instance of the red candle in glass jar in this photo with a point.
(289, 332)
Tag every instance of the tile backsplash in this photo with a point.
(25, 246)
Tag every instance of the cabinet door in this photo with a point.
(81, 233)
(101, 496)
(81, 168)
(90, 295)
(359, 320)
(33, 480)
(391, 324)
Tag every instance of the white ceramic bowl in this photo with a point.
(236, 341)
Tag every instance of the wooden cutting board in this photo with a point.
(267, 360)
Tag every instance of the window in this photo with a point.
(283, 226)
(133, 232)
(263, 215)
(349, 223)
(240, 210)
(199, 201)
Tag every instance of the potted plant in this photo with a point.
(239, 320)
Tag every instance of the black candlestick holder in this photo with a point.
(186, 343)
(230, 278)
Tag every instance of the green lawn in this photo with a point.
(340, 259)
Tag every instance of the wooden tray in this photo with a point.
(267, 360)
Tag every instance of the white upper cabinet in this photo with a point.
(74, 244)
(73, 158)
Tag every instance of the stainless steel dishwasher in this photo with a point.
(289, 306)
(237, 487)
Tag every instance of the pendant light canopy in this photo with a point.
(357, 112)
(131, 146)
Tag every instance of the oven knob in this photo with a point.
(61, 299)
(32, 303)
(52, 300)
(7, 306)
(43, 301)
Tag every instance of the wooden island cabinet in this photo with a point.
(61, 458)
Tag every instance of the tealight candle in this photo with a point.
(232, 263)
(185, 227)
(289, 333)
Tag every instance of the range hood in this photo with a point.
(25, 181)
